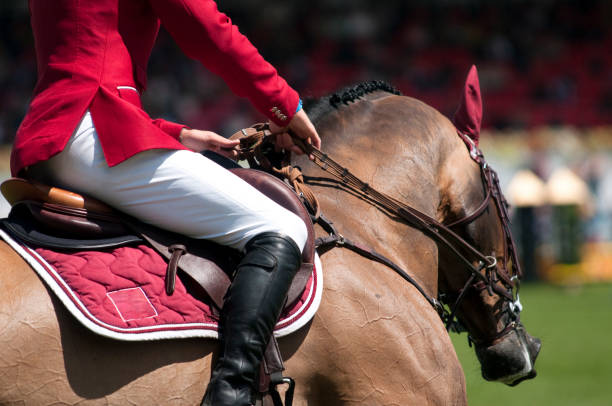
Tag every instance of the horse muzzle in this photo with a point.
(511, 360)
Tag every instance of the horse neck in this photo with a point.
(393, 144)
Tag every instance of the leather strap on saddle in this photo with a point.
(271, 375)
(184, 255)
(294, 176)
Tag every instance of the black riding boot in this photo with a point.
(250, 311)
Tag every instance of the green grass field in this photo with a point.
(575, 364)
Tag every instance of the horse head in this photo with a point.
(485, 301)
(449, 196)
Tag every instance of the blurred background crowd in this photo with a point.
(544, 62)
(545, 71)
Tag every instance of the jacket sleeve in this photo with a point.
(169, 127)
(208, 36)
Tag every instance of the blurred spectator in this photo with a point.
(542, 63)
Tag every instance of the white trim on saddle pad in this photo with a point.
(50, 276)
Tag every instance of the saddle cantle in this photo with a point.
(55, 218)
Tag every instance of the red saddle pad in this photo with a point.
(119, 293)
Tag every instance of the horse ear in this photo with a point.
(468, 116)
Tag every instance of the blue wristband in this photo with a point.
(299, 106)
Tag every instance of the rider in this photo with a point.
(86, 131)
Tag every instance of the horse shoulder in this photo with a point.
(29, 343)
(374, 341)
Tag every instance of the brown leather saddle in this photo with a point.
(55, 218)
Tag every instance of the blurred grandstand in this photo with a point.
(543, 62)
(545, 71)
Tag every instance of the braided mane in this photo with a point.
(318, 108)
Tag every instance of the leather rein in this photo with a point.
(251, 141)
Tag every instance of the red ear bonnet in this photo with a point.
(468, 116)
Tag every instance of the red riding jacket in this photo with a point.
(91, 53)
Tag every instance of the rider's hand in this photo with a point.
(300, 126)
(199, 141)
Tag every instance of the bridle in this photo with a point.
(251, 149)
(510, 280)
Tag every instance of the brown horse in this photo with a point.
(375, 339)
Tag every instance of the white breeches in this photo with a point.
(181, 191)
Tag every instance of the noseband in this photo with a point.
(441, 233)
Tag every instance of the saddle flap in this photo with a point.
(299, 282)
